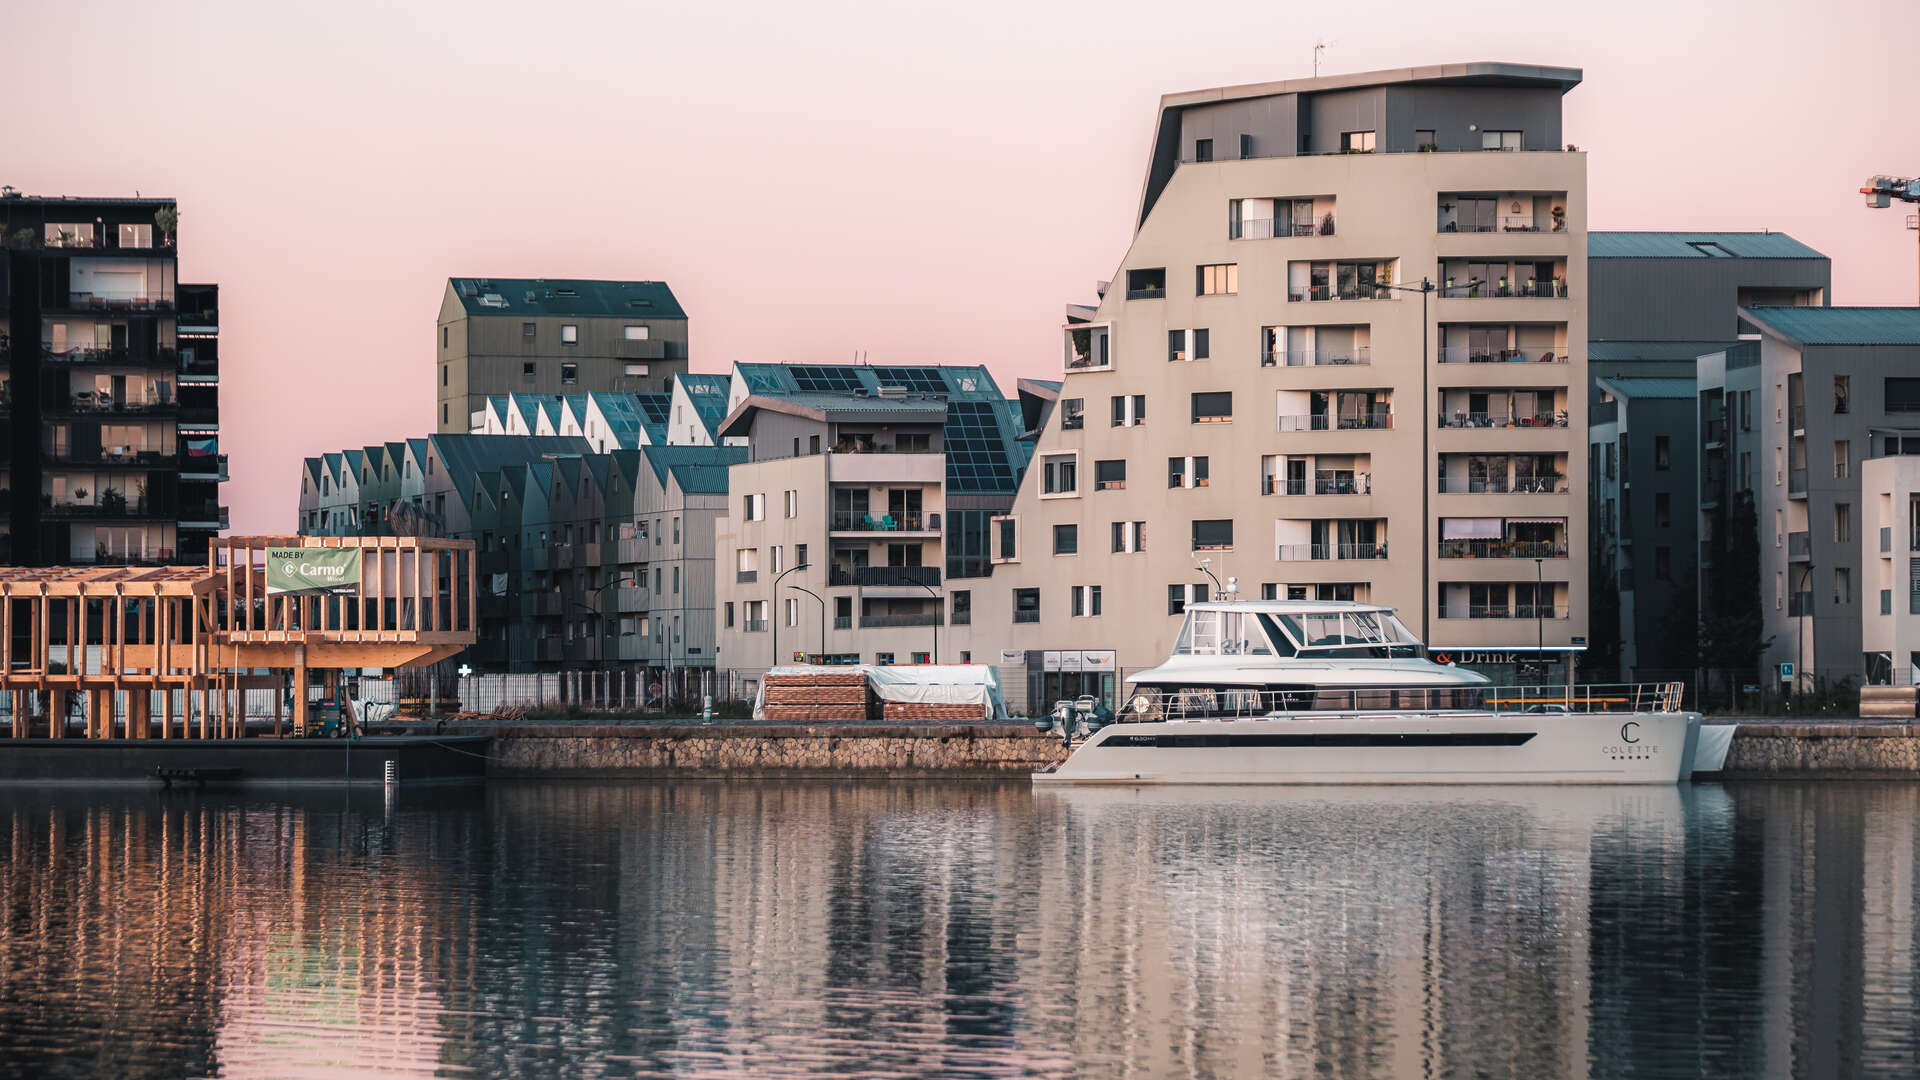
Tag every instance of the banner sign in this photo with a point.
(312, 570)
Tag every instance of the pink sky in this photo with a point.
(926, 182)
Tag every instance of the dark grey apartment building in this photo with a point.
(498, 336)
(109, 402)
(1659, 302)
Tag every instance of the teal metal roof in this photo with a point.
(1840, 325)
(521, 297)
(1647, 388)
(466, 456)
(1696, 245)
(701, 470)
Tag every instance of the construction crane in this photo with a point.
(1881, 191)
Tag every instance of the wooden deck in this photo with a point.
(213, 631)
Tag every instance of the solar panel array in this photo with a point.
(825, 380)
(919, 380)
(654, 407)
(976, 453)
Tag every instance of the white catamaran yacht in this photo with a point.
(1302, 692)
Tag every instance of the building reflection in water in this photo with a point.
(962, 930)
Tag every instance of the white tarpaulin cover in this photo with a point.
(1710, 753)
(935, 684)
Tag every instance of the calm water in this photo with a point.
(988, 930)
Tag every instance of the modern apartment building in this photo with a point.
(500, 336)
(586, 559)
(858, 527)
(110, 399)
(1343, 357)
(1793, 418)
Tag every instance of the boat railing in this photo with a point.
(1154, 703)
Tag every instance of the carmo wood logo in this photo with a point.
(309, 570)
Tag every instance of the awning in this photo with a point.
(1536, 521)
(1469, 528)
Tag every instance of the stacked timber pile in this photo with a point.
(928, 712)
(820, 697)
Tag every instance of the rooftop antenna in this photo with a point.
(1318, 48)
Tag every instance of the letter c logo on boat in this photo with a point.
(1626, 731)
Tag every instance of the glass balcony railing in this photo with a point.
(1361, 356)
(1460, 418)
(1373, 420)
(1503, 549)
(1321, 483)
(1328, 552)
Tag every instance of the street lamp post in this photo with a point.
(774, 615)
(823, 614)
(1800, 643)
(1202, 567)
(938, 614)
(1539, 627)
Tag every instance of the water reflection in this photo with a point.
(962, 930)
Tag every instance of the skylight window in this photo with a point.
(1710, 249)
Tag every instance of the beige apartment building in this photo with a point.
(499, 336)
(1343, 358)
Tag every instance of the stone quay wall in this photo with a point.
(745, 750)
(1818, 750)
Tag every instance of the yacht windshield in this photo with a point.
(1222, 633)
(1375, 634)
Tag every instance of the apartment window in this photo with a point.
(1176, 346)
(443, 337)
(754, 507)
(1086, 601)
(1357, 142)
(1127, 411)
(676, 530)
(1187, 472)
(1203, 150)
(1218, 279)
(1500, 140)
(1246, 146)
(1007, 539)
(1073, 414)
(793, 504)
(1213, 535)
(1842, 454)
(569, 334)
(676, 573)
(1110, 475)
(777, 560)
(1147, 284)
(1060, 474)
(1744, 481)
(1842, 585)
(813, 444)
(1213, 407)
(1066, 539)
(1842, 522)
(1842, 389)
(443, 412)
(1746, 410)
(1423, 139)
(526, 369)
(1662, 452)
(1176, 599)
(526, 331)
(962, 607)
(729, 611)
(1662, 509)
(793, 611)
(635, 333)
(1903, 395)
(569, 374)
(800, 555)
(1026, 605)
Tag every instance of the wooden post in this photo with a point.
(300, 691)
(166, 711)
(279, 727)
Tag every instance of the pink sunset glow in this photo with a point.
(924, 183)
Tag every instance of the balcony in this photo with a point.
(111, 457)
(632, 550)
(1322, 483)
(885, 465)
(1503, 549)
(154, 303)
(1546, 484)
(1535, 288)
(1469, 354)
(884, 576)
(1361, 356)
(1503, 611)
(199, 416)
(1277, 228)
(1330, 552)
(1026, 616)
(202, 467)
(122, 356)
(199, 371)
(917, 618)
(962, 618)
(1716, 433)
(1797, 417)
(110, 507)
(1379, 419)
(1463, 419)
(746, 577)
(907, 521)
(87, 403)
(1318, 293)
(630, 599)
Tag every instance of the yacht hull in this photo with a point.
(1388, 748)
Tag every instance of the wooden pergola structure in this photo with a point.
(212, 632)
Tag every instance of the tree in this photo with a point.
(1731, 625)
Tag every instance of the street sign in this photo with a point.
(1786, 670)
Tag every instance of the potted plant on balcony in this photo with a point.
(22, 239)
(113, 502)
(79, 496)
(1326, 224)
(165, 219)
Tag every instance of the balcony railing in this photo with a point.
(918, 618)
(1149, 293)
(1322, 483)
(962, 618)
(1503, 611)
(755, 626)
(884, 576)
(908, 521)
(196, 466)
(746, 576)
(1373, 420)
(1459, 418)
(1537, 288)
(1328, 552)
(1026, 616)
(1503, 549)
(109, 457)
(1352, 357)
(128, 356)
(1546, 484)
(843, 622)
(86, 301)
(1471, 354)
(92, 404)
(1316, 293)
(1270, 228)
